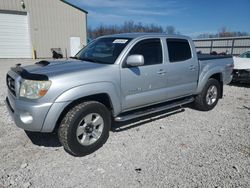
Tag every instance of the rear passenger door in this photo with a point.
(182, 68)
(144, 85)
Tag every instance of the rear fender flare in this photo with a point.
(205, 75)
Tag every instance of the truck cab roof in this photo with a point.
(142, 35)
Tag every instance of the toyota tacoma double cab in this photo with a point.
(117, 77)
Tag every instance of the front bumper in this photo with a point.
(27, 115)
(31, 115)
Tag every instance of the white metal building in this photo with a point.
(33, 27)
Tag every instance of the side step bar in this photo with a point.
(153, 109)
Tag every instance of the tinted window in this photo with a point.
(150, 49)
(178, 50)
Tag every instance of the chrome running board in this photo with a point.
(153, 109)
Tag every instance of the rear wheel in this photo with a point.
(85, 128)
(209, 96)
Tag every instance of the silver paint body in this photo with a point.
(127, 88)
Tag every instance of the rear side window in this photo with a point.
(178, 50)
(150, 49)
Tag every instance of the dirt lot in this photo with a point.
(186, 149)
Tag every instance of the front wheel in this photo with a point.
(209, 96)
(85, 128)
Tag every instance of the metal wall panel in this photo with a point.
(203, 43)
(232, 45)
(14, 43)
(203, 50)
(245, 42)
(52, 23)
(11, 5)
(222, 43)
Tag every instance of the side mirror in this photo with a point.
(135, 60)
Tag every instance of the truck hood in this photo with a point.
(54, 68)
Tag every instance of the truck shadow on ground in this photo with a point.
(238, 84)
(44, 139)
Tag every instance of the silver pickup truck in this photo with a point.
(117, 77)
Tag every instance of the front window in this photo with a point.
(150, 49)
(103, 50)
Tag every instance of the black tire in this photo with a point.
(201, 103)
(67, 132)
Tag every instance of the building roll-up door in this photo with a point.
(14, 36)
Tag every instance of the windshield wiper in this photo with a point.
(73, 57)
(84, 59)
(88, 59)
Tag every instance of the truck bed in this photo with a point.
(223, 62)
(203, 57)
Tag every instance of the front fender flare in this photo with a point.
(64, 99)
(93, 89)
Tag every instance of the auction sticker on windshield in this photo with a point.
(120, 41)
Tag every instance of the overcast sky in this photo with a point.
(190, 17)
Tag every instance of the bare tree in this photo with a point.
(170, 30)
(128, 27)
(223, 32)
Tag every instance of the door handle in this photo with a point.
(161, 71)
(192, 67)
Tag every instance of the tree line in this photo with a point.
(131, 26)
(223, 32)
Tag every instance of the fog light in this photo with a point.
(26, 118)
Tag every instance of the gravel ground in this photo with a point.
(186, 149)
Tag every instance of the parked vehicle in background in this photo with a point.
(241, 72)
(118, 77)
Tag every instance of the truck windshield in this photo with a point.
(103, 50)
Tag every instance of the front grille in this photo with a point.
(11, 84)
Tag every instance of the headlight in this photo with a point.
(33, 89)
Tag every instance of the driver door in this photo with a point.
(144, 85)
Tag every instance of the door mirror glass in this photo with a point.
(135, 60)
